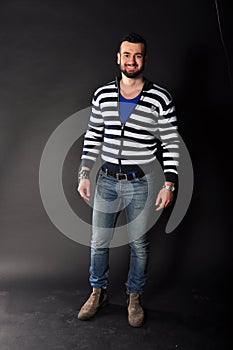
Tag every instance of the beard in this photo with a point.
(132, 74)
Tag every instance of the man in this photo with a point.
(129, 117)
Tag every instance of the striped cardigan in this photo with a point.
(152, 123)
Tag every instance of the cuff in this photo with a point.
(87, 163)
(171, 177)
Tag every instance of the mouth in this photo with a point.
(131, 66)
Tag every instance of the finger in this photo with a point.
(168, 202)
(88, 192)
(161, 206)
(83, 195)
(158, 200)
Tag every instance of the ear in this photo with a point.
(118, 58)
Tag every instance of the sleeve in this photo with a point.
(94, 135)
(169, 138)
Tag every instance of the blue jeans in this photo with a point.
(137, 198)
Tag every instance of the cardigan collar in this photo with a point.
(147, 83)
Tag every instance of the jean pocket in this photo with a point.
(143, 179)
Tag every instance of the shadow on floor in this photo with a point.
(42, 320)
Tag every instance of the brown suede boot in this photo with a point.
(97, 299)
(135, 311)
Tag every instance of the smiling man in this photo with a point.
(131, 118)
(131, 59)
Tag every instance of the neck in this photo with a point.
(131, 87)
(131, 82)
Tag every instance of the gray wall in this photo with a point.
(53, 56)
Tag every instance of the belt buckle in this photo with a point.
(118, 175)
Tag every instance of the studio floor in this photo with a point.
(40, 319)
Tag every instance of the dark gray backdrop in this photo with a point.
(53, 56)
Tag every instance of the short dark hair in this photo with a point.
(133, 38)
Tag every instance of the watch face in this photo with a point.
(170, 188)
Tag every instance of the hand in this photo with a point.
(84, 189)
(164, 198)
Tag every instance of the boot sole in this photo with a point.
(136, 325)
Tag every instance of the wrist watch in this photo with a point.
(170, 188)
(83, 174)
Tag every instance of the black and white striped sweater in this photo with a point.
(152, 122)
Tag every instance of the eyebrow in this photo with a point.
(136, 53)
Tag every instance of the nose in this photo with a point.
(131, 60)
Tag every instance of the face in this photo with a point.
(131, 59)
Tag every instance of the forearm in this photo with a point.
(94, 137)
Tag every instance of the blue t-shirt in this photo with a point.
(126, 106)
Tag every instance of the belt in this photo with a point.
(124, 176)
